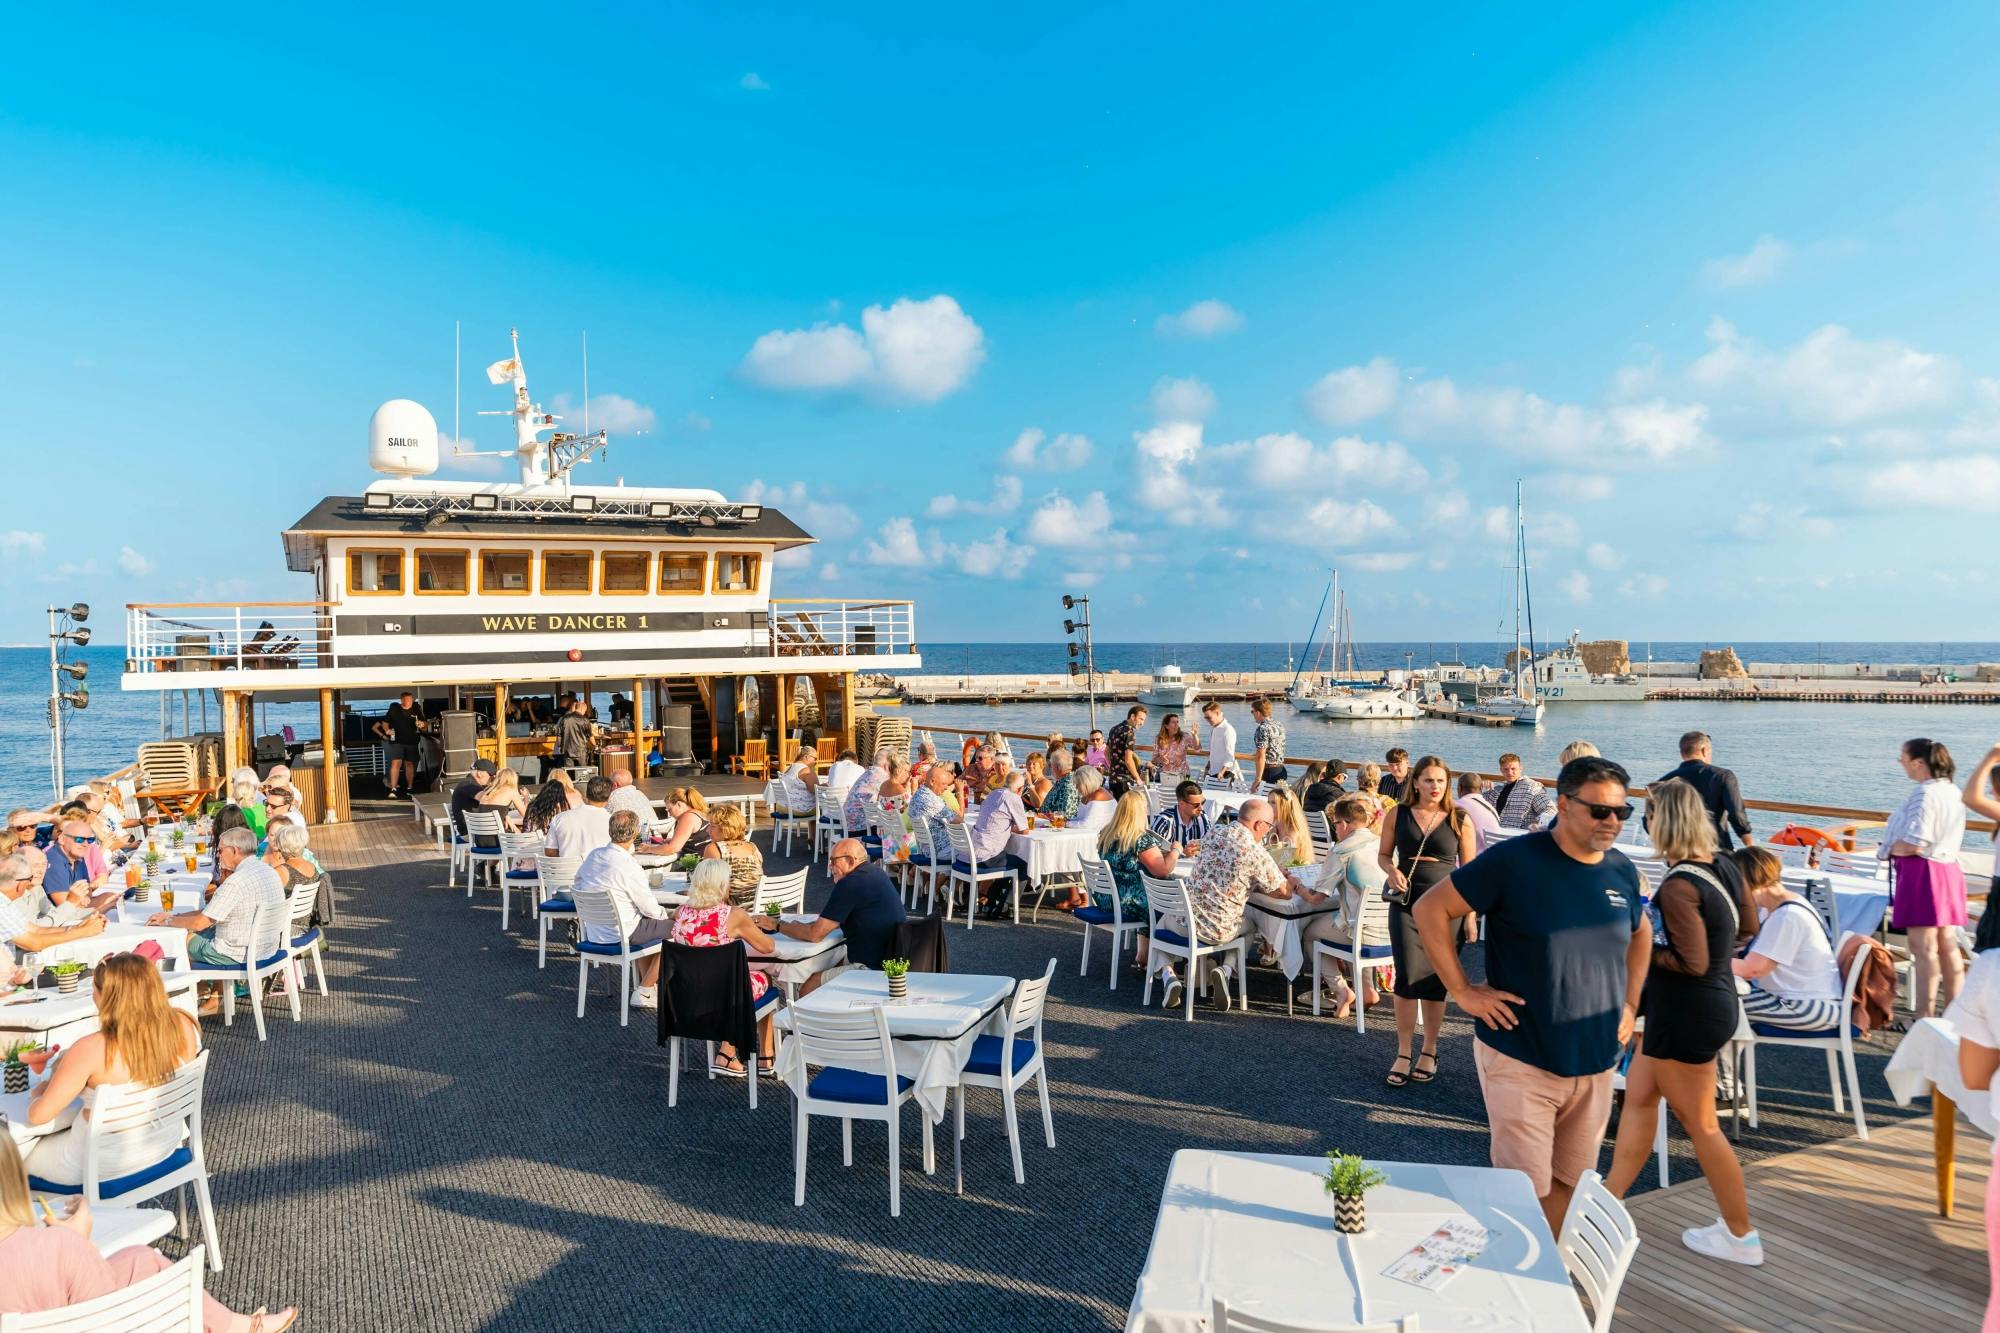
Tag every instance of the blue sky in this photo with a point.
(1176, 306)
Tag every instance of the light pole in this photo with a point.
(65, 627)
(1089, 664)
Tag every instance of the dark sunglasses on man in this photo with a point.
(1600, 813)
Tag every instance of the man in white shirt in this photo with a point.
(612, 869)
(625, 795)
(583, 830)
(845, 770)
(18, 931)
(1221, 742)
(219, 933)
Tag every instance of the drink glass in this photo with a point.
(190, 862)
(167, 898)
(201, 846)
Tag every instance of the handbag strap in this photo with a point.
(1696, 870)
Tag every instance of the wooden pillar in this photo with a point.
(232, 732)
(327, 752)
(638, 727)
(848, 731)
(781, 749)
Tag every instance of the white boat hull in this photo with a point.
(1169, 697)
(1373, 707)
(1522, 712)
(1594, 692)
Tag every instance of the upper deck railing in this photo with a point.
(828, 627)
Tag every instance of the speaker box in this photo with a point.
(677, 733)
(458, 730)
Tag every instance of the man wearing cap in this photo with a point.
(466, 794)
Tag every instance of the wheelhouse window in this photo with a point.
(736, 571)
(372, 572)
(504, 572)
(441, 573)
(682, 571)
(625, 571)
(566, 572)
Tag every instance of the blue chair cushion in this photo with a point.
(557, 905)
(1803, 1034)
(771, 997)
(311, 937)
(1368, 951)
(603, 950)
(985, 1057)
(849, 1085)
(1171, 937)
(524, 874)
(1096, 916)
(272, 961)
(172, 1162)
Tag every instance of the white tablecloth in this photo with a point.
(934, 1026)
(1257, 1230)
(14, 1108)
(799, 961)
(113, 1229)
(1927, 1055)
(62, 1019)
(1282, 923)
(120, 938)
(1859, 901)
(1053, 851)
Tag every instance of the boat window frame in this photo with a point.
(416, 569)
(402, 571)
(589, 559)
(528, 586)
(756, 571)
(701, 574)
(604, 589)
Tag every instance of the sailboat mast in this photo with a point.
(1520, 570)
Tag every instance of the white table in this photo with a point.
(1053, 851)
(114, 1229)
(14, 1108)
(799, 961)
(120, 939)
(1257, 1230)
(1859, 901)
(190, 892)
(1927, 1061)
(56, 1019)
(1282, 922)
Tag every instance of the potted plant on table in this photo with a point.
(897, 970)
(179, 834)
(69, 974)
(1348, 1180)
(151, 860)
(20, 1058)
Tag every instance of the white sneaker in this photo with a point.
(645, 997)
(1715, 1241)
(1170, 993)
(1218, 984)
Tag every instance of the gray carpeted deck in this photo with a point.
(442, 1144)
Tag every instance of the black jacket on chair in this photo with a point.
(922, 941)
(705, 994)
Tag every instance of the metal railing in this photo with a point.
(829, 627)
(228, 636)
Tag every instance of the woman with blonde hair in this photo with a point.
(1690, 1009)
(1290, 842)
(709, 919)
(140, 1041)
(1368, 782)
(505, 795)
(804, 772)
(688, 808)
(1577, 750)
(285, 852)
(728, 842)
(1128, 846)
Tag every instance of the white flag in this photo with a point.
(502, 371)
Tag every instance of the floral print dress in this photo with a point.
(707, 927)
(1125, 869)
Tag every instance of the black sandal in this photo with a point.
(1418, 1076)
(1394, 1079)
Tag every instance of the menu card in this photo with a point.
(1436, 1259)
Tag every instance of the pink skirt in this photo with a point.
(1927, 893)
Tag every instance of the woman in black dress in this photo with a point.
(1691, 1011)
(1423, 837)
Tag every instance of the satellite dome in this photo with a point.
(403, 439)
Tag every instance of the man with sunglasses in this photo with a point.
(1185, 823)
(1567, 947)
(69, 884)
(17, 931)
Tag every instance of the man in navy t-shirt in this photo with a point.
(864, 904)
(1567, 947)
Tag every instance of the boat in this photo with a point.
(1562, 677)
(1170, 690)
(1521, 706)
(494, 600)
(1375, 705)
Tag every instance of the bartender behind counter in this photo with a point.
(576, 736)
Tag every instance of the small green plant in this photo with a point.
(773, 910)
(687, 861)
(152, 858)
(1348, 1175)
(895, 967)
(179, 835)
(67, 968)
(17, 1052)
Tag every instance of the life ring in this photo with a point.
(971, 748)
(1801, 835)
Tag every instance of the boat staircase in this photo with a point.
(701, 732)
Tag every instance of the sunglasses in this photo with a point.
(21, 828)
(1197, 802)
(1621, 813)
(85, 841)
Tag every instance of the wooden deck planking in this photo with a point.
(373, 838)
(1852, 1241)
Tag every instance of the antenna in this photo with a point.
(586, 381)
(457, 380)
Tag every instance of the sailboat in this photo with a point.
(1363, 703)
(1522, 706)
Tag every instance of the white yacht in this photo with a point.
(1170, 690)
(1370, 705)
(1561, 677)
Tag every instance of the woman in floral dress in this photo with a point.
(1129, 848)
(708, 920)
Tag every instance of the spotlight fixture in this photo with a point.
(75, 670)
(77, 698)
(483, 501)
(750, 513)
(378, 500)
(79, 611)
(707, 520)
(80, 637)
(660, 509)
(582, 504)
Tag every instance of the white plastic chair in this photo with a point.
(788, 892)
(1009, 1060)
(167, 1302)
(857, 1080)
(1818, 893)
(1792, 857)
(831, 824)
(515, 847)
(1322, 834)
(123, 1111)
(1212, 783)
(791, 811)
(932, 869)
(302, 941)
(1164, 898)
(1861, 861)
(554, 876)
(1159, 796)
(964, 869)
(1597, 1243)
(1222, 1319)
(594, 908)
(1099, 882)
(267, 954)
(1370, 952)
(478, 824)
(1837, 1042)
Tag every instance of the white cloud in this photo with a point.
(995, 557)
(697, 422)
(828, 572)
(1380, 562)
(1006, 499)
(917, 351)
(1654, 431)
(1761, 263)
(823, 518)
(898, 547)
(1545, 527)
(1354, 394)
(1166, 454)
(477, 467)
(1576, 586)
(17, 543)
(1446, 509)
(1290, 462)
(133, 563)
(1061, 521)
(1344, 523)
(1647, 586)
(1203, 319)
(1181, 399)
(1577, 487)
(608, 411)
(1601, 556)
(1831, 379)
(1763, 521)
(1033, 448)
(1971, 483)
(753, 82)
